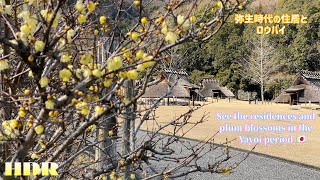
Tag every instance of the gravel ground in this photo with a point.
(255, 167)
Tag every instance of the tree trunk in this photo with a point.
(128, 122)
(262, 91)
(261, 70)
(106, 152)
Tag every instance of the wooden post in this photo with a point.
(192, 100)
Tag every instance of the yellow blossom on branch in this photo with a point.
(80, 6)
(39, 46)
(171, 37)
(44, 81)
(91, 6)
(4, 65)
(49, 104)
(115, 63)
(102, 19)
(65, 74)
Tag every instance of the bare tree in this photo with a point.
(260, 64)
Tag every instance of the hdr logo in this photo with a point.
(25, 170)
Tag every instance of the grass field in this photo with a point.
(304, 152)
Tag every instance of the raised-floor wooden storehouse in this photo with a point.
(177, 87)
(211, 88)
(305, 88)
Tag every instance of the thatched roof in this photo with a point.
(306, 86)
(226, 92)
(212, 85)
(171, 77)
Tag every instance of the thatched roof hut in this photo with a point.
(305, 88)
(182, 89)
(211, 88)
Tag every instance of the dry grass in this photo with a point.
(306, 152)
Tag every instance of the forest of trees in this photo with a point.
(298, 49)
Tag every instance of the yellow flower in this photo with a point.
(70, 66)
(139, 54)
(44, 81)
(127, 54)
(171, 37)
(39, 46)
(80, 105)
(97, 73)
(122, 74)
(164, 30)
(32, 23)
(30, 58)
(140, 67)
(219, 4)
(30, 74)
(148, 64)
(49, 104)
(65, 74)
(8, 9)
(102, 19)
(14, 123)
(86, 59)
(180, 19)
(98, 110)
(136, 2)
(26, 92)
(4, 65)
(85, 111)
(25, 29)
(134, 36)
(79, 6)
(34, 156)
(132, 176)
(91, 128)
(65, 58)
(193, 19)
(39, 129)
(144, 20)
(51, 114)
(107, 83)
(115, 63)
(91, 6)
(82, 19)
(148, 58)
(165, 176)
(225, 171)
(96, 32)
(70, 35)
(110, 133)
(22, 114)
(46, 14)
(132, 74)
(87, 73)
(186, 25)
(159, 20)
(56, 20)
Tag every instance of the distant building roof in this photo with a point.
(171, 77)
(310, 74)
(306, 85)
(210, 85)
